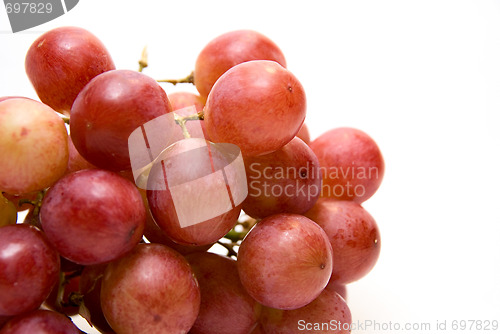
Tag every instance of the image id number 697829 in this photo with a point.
(28, 7)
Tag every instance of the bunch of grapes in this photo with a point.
(107, 239)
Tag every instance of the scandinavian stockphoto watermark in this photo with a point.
(265, 181)
(186, 173)
(25, 14)
(374, 326)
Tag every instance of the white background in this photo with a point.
(421, 77)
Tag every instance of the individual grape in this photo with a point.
(341, 289)
(76, 162)
(352, 164)
(33, 146)
(258, 105)
(226, 307)
(90, 288)
(228, 50)
(188, 180)
(150, 290)
(179, 100)
(285, 181)
(8, 212)
(93, 216)
(354, 236)
(304, 134)
(62, 61)
(156, 235)
(40, 322)
(106, 112)
(29, 268)
(285, 261)
(328, 313)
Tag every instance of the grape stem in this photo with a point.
(181, 121)
(37, 203)
(188, 79)
(143, 62)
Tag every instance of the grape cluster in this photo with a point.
(98, 243)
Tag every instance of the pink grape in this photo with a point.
(93, 216)
(352, 164)
(341, 289)
(328, 313)
(285, 181)
(304, 134)
(161, 201)
(40, 322)
(155, 234)
(179, 100)
(226, 307)
(108, 109)
(33, 146)
(285, 261)
(228, 50)
(62, 61)
(29, 268)
(354, 236)
(76, 162)
(150, 290)
(256, 97)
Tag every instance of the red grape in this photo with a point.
(76, 162)
(8, 212)
(341, 289)
(354, 236)
(106, 112)
(33, 146)
(29, 268)
(228, 50)
(150, 290)
(190, 198)
(257, 97)
(285, 261)
(179, 100)
(93, 216)
(155, 234)
(328, 313)
(304, 134)
(225, 307)
(285, 181)
(40, 322)
(352, 164)
(62, 61)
